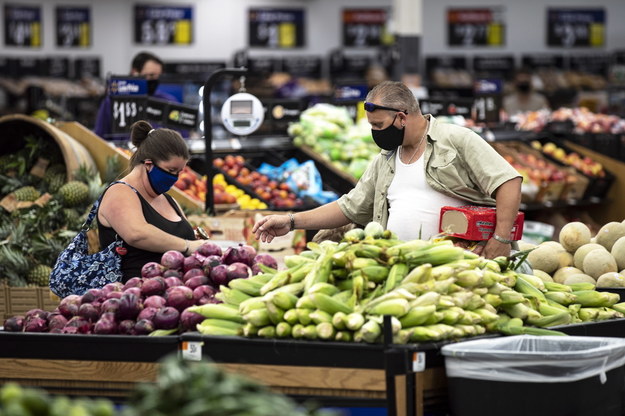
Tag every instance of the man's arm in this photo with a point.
(508, 199)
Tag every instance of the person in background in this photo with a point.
(524, 98)
(138, 210)
(424, 165)
(146, 65)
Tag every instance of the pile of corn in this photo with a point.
(432, 291)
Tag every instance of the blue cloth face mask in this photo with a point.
(161, 181)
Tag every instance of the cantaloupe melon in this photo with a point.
(579, 278)
(618, 252)
(598, 262)
(611, 280)
(609, 233)
(524, 245)
(545, 277)
(561, 274)
(544, 257)
(565, 259)
(574, 235)
(553, 244)
(580, 253)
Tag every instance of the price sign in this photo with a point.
(488, 100)
(86, 67)
(22, 26)
(27, 65)
(364, 27)
(73, 27)
(302, 66)
(575, 27)
(276, 28)
(128, 102)
(192, 70)
(441, 62)
(57, 67)
(476, 27)
(452, 107)
(542, 61)
(263, 65)
(350, 66)
(163, 25)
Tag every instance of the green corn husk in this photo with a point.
(582, 286)
(318, 316)
(247, 286)
(218, 311)
(303, 316)
(592, 298)
(329, 304)
(258, 317)
(276, 314)
(295, 260)
(430, 298)
(439, 254)
(394, 307)
(563, 298)
(359, 263)
(489, 264)
(354, 321)
(284, 300)
(527, 288)
(305, 302)
(377, 274)
(297, 331)
(283, 330)
(310, 331)
(249, 330)
(208, 329)
(325, 288)
(325, 330)
(497, 288)
(354, 235)
(371, 331)
(419, 274)
(620, 307)
(282, 278)
(588, 314)
(452, 315)
(442, 272)
(268, 331)
(252, 303)
(535, 281)
(511, 297)
(338, 320)
(562, 318)
(435, 332)
(557, 287)
(263, 277)
(291, 316)
(396, 274)
(546, 309)
(517, 310)
(492, 299)
(231, 296)
(343, 336)
(470, 278)
(445, 301)
(407, 247)
(486, 316)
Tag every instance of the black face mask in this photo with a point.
(389, 138)
(523, 86)
(152, 86)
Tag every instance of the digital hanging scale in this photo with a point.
(242, 114)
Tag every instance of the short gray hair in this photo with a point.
(396, 95)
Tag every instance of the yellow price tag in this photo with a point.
(495, 34)
(83, 31)
(596, 34)
(35, 34)
(360, 111)
(182, 32)
(286, 35)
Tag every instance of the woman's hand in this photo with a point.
(271, 226)
(492, 249)
(194, 245)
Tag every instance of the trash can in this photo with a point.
(539, 376)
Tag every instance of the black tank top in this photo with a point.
(135, 258)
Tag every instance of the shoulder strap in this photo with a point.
(96, 204)
(173, 204)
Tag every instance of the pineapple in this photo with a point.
(74, 193)
(39, 275)
(56, 169)
(13, 265)
(26, 193)
(55, 181)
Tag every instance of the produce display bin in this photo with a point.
(82, 365)
(19, 300)
(529, 375)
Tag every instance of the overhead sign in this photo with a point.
(192, 70)
(276, 28)
(476, 27)
(365, 27)
(488, 100)
(128, 99)
(494, 65)
(163, 25)
(568, 27)
(86, 67)
(597, 64)
(302, 66)
(22, 26)
(73, 27)
(540, 61)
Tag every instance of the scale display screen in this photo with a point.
(242, 123)
(241, 107)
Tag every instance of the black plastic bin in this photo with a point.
(538, 376)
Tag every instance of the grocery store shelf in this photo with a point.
(234, 144)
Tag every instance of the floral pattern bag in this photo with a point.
(77, 271)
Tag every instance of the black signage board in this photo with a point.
(22, 26)
(30, 66)
(191, 70)
(302, 66)
(618, 57)
(445, 62)
(471, 27)
(163, 25)
(87, 67)
(276, 28)
(58, 67)
(352, 66)
(456, 107)
(497, 66)
(597, 64)
(263, 65)
(73, 27)
(364, 27)
(576, 27)
(543, 61)
(281, 112)
(180, 116)
(488, 100)
(7, 67)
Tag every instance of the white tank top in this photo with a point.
(414, 207)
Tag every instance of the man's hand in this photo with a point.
(492, 249)
(271, 226)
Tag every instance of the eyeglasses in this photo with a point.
(370, 107)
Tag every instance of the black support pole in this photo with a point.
(208, 132)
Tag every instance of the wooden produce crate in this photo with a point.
(19, 300)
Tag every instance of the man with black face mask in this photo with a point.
(524, 98)
(146, 65)
(424, 165)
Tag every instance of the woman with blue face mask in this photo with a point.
(137, 209)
